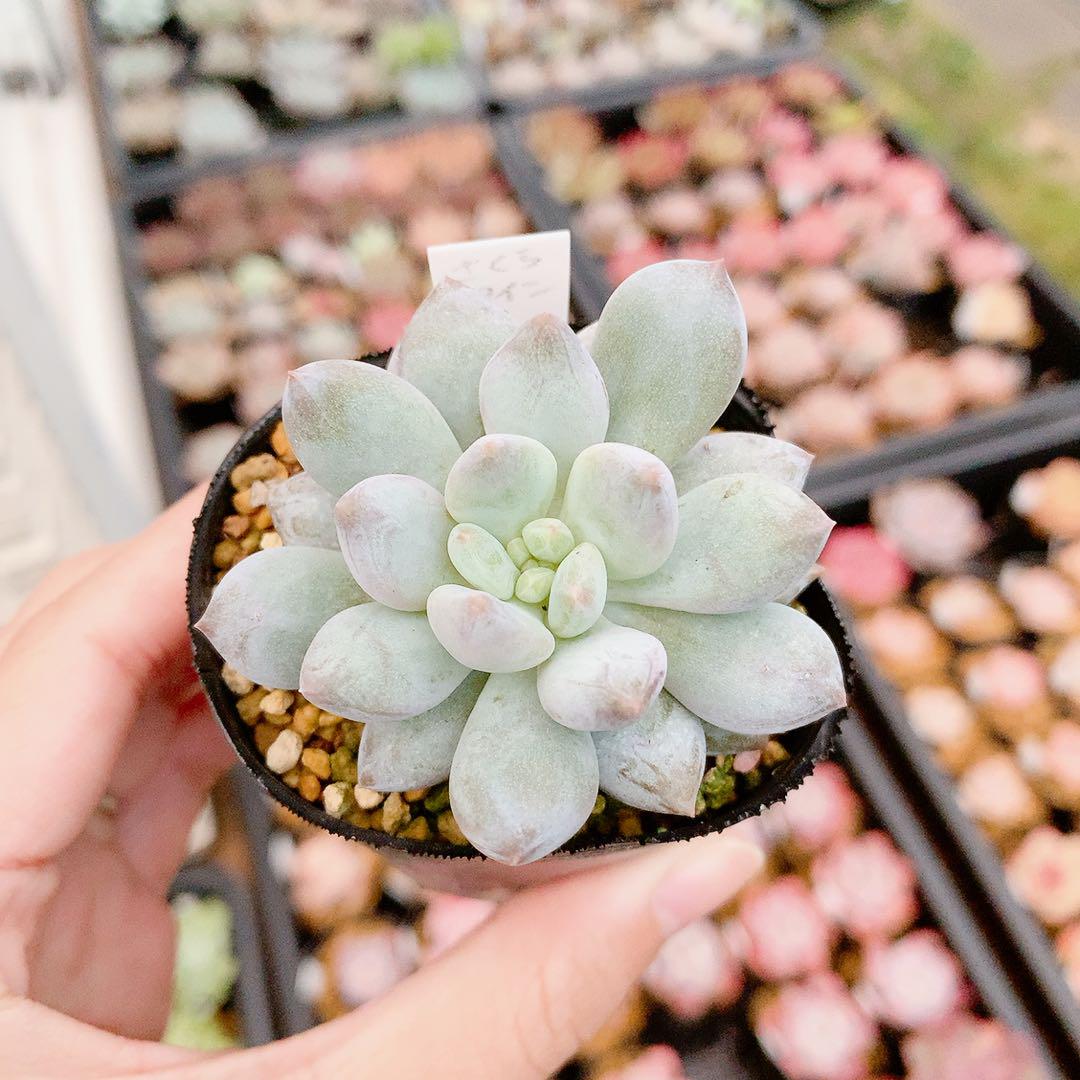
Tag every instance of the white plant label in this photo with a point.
(528, 274)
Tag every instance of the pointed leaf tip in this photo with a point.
(348, 420)
(543, 383)
(445, 348)
(758, 672)
(418, 752)
(721, 453)
(743, 540)
(671, 347)
(302, 512)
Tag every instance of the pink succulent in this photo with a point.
(816, 236)
(913, 982)
(761, 304)
(1006, 677)
(621, 264)
(752, 246)
(786, 933)
(863, 568)
(828, 419)
(799, 179)
(823, 809)
(865, 337)
(912, 185)
(1044, 872)
(785, 358)
(781, 131)
(987, 377)
(971, 1048)
(867, 886)
(694, 972)
(855, 159)
(815, 1030)
(978, 258)
(935, 524)
(383, 323)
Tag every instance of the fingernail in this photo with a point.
(704, 881)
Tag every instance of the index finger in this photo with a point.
(75, 675)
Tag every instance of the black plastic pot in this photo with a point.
(438, 864)
(990, 432)
(250, 993)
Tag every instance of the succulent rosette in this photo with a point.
(530, 567)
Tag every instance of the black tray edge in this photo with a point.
(281, 949)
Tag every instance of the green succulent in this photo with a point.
(593, 593)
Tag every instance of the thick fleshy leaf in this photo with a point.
(604, 679)
(622, 499)
(721, 453)
(482, 561)
(671, 346)
(375, 663)
(534, 584)
(348, 421)
(416, 753)
(501, 483)
(267, 608)
(521, 785)
(578, 592)
(544, 384)
(302, 512)
(656, 763)
(721, 742)
(392, 530)
(757, 672)
(743, 540)
(444, 349)
(486, 633)
(548, 539)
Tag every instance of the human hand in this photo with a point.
(102, 706)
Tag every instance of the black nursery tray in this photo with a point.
(1024, 945)
(722, 1044)
(171, 420)
(727, 1048)
(993, 434)
(141, 176)
(250, 997)
(804, 38)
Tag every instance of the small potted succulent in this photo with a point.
(511, 596)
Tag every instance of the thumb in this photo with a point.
(519, 996)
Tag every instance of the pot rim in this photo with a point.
(807, 745)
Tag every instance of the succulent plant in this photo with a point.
(548, 575)
(307, 74)
(128, 19)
